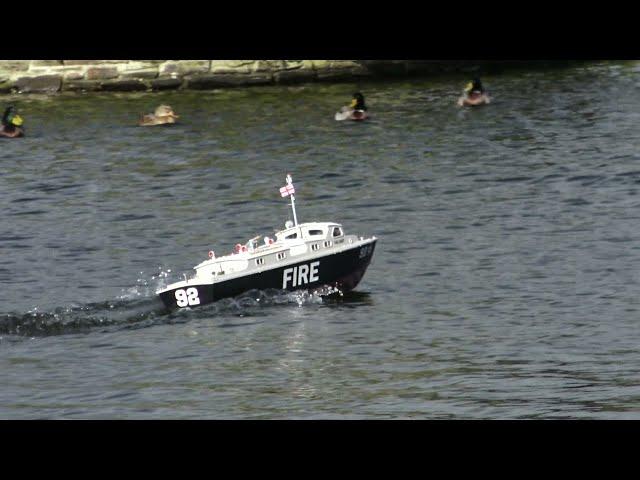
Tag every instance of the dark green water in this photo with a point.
(504, 283)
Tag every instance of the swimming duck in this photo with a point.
(356, 110)
(163, 115)
(474, 94)
(11, 124)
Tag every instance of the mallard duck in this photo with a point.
(162, 116)
(356, 110)
(474, 94)
(11, 124)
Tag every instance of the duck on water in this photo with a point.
(11, 124)
(356, 110)
(302, 256)
(163, 115)
(474, 94)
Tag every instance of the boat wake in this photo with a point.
(81, 318)
(139, 307)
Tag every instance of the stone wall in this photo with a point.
(50, 76)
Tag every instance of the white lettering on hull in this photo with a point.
(300, 275)
(190, 297)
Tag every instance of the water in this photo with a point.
(504, 283)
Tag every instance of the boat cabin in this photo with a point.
(290, 242)
(307, 232)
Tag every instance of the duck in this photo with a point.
(164, 115)
(474, 94)
(11, 124)
(356, 110)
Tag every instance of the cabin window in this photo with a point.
(281, 255)
(293, 235)
(327, 243)
(315, 233)
(259, 261)
(315, 246)
(337, 232)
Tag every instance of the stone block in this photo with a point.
(204, 82)
(73, 75)
(92, 62)
(320, 64)
(185, 67)
(139, 68)
(232, 66)
(7, 86)
(102, 73)
(166, 83)
(45, 63)
(339, 69)
(82, 85)
(138, 64)
(129, 85)
(151, 72)
(53, 70)
(168, 68)
(39, 84)
(296, 64)
(338, 65)
(267, 66)
(15, 65)
(295, 76)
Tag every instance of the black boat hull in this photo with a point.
(342, 270)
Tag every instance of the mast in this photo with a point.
(293, 200)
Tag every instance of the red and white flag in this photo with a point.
(287, 190)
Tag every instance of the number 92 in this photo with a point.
(188, 297)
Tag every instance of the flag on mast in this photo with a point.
(288, 189)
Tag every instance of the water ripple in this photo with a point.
(504, 284)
